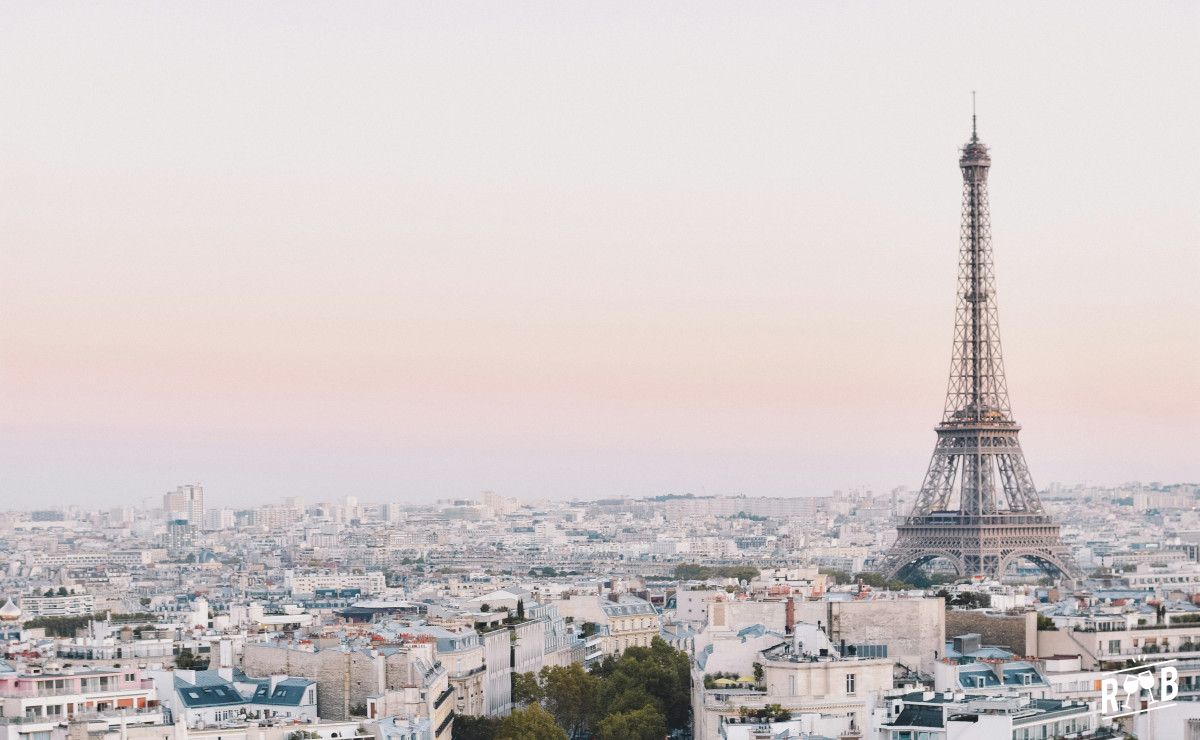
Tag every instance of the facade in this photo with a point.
(528, 646)
(620, 621)
(804, 676)
(76, 559)
(872, 622)
(34, 695)
(497, 659)
(416, 688)
(631, 622)
(1102, 641)
(72, 605)
(185, 502)
(367, 584)
(461, 654)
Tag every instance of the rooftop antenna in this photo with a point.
(974, 134)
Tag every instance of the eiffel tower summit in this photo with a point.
(978, 508)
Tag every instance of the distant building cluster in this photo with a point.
(345, 619)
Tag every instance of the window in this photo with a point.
(849, 683)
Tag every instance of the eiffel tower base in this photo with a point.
(983, 545)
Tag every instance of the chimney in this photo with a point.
(225, 654)
(789, 618)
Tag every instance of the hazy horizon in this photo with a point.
(564, 250)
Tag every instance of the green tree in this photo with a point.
(185, 659)
(838, 576)
(740, 572)
(525, 688)
(660, 671)
(470, 727)
(971, 600)
(530, 723)
(691, 572)
(570, 695)
(646, 723)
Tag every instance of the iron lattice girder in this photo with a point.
(978, 506)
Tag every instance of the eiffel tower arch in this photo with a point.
(977, 508)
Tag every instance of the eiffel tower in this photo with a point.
(978, 508)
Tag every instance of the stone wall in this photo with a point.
(1015, 632)
(344, 679)
(913, 629)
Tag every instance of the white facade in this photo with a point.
(369, 583)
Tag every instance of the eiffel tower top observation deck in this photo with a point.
(978, 507)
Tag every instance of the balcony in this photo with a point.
(89, 691)
(146, 715)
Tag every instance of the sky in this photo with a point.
(415, 250)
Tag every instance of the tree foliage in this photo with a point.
(643, 693)
(530, 723)
(468, 727)
(59, 626)
(694, 572)
(525, 688)
(966, 599)
(646, 723)
(660, 672)
(570, 695)
(185, 659)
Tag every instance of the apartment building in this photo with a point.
(34, 695)
(368, 583)
(804, 674)
(976, 716)
(71, 605)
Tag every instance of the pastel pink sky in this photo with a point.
(416, 250)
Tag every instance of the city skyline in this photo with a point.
(291, 262)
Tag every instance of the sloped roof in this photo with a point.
(207, 694)
(289, 692)
(916, 715)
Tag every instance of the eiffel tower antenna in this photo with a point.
(978, 507)
(974, 131)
